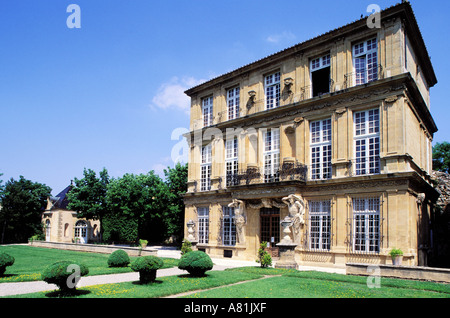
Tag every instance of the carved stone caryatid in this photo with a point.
(239, 219)
(296, 208)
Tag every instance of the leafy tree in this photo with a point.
(141, 197)
(88, 196)
(441, 157)
(176, 180)
(1, 185)
(23, 201)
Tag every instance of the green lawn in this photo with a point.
(299, 284)
(30, 261)
(257, 282)
(163, 286)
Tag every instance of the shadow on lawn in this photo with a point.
(62, 294)
(155, 282)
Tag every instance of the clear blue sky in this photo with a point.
(110, 93)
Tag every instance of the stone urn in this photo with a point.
(191, 231)
(286, 223)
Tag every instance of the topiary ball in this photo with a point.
(60, 274)
(118, 258)
(147, 267)
(196, 263)
(5, 261)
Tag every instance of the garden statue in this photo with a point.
(296, 208)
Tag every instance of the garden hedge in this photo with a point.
(147, 267)
(118, 258)
(5, 261)
(196, 263)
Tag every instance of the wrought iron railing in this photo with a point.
(363, 76)
(287, 172)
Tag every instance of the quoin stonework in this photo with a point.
(324, 146)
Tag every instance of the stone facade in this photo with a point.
(342, 122)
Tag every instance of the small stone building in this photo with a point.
(63, 225)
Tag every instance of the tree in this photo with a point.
(23, 201)
(1, 185)
(176, 180)
(141, 197)
(441, 157)
(88, 196)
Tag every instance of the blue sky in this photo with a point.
(110, 93)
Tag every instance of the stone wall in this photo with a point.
(95, 248)
(405, 272)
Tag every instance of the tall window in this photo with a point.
(367, 142)
(233, 103)
(231, 160)
(320, 75)
(272, 90)
(321, 149)
(320, 225)
(228, 227)
(366, 225)
(207, 111)
(205, 178)
(203, 225)
(365, 59)
(271, 155)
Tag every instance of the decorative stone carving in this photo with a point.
(296, 208)
(266, 203)
(286, 223)
(420, 198)
(191, 231)
(239, 219)
(251, 100)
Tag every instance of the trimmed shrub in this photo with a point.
(263, 256)
(118, 258)
(186, 247)
(5, 261)
(61, 273)
(147, 267)
(196, 263)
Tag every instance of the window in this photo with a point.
(366, 225)
(365, 59)
(205, 178)
(233, 103)
(231, 160)
(272, 90)
(321, 149)
(203, 225)
(271, 155)
(367, 142)
(320, 75)
(228, 227)
(320, 225)
(207, 111)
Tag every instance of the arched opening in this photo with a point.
(47, 230)
(81, 232)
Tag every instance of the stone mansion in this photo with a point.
(334, 134)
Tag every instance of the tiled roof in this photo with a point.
(60, 200)
(299, 46)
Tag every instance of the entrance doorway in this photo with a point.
(270, 229)
(47, 231)
(81, 232)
